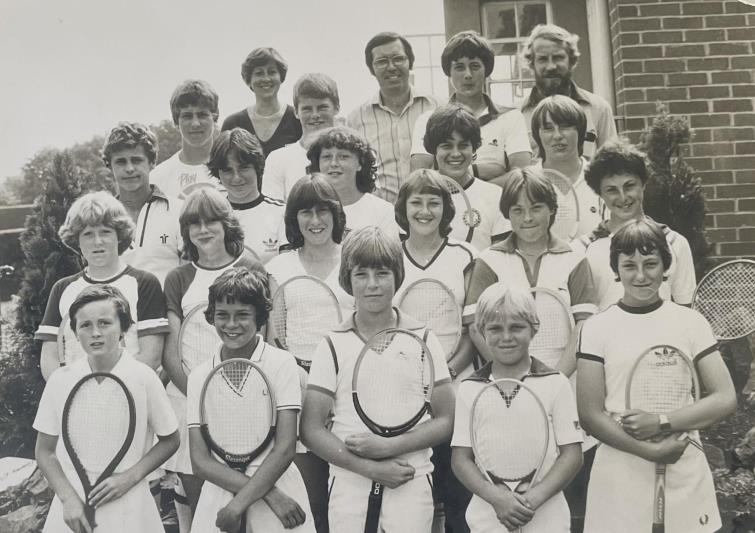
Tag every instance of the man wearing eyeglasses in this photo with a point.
(387, 119)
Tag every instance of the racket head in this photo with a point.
(662, 379)
(393, 381)
(469, 216)
(304, 310)
(566, 224)
(98, 424)
(197, 339)
(726, 298)
(431, 302)
(509, 431)
(556, 326)
(237, 412)
(69, 348)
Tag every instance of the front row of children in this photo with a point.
(271, 495)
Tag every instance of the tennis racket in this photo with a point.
(430, 301)
(726, 298)
(252, 251)
(98, 428)
(468, 216)
(509, 433)
(69, 348)
(662, 380)
(197, 339)
(556, 325)
(566, 224)
(304, 310)
(237, 413)
(391, 389)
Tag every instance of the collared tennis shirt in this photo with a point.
(390, 135)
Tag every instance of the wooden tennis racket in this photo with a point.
(197, 339)
(556, 325)
(468, 216)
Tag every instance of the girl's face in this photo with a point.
(424, 213)
(208, 236)
(641, 275)
(315, 224)
(530, 220)
(98, 329)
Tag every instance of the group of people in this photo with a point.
(369, 207)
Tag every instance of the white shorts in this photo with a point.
(406, 509)
(181, 460)
(259, 517)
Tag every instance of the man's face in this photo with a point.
(131, 168)
(551, 65)
(390, 66)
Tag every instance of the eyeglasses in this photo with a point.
(398, 61)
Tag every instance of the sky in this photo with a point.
(75, 68)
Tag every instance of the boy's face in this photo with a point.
(239, 179)
(315, 113)
(623, 195)
(373, 288)
(98, 328)
(468, 76)
(235, 323)
(99, 245)
(641, 275)
(529, 220)
(340, 167)
(131, 169)
(508, 338)
(196, 125)
(454, 156)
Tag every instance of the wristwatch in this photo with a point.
(664, 422)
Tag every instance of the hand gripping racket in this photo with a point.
(469, 216)
(509, 431)
(98, 428)
(662, 380)
(304, 311)
(237, 413)
(69, 348)
(197, 339)
(556, 325)
(391, 389)
(726, 298)
(431, 302)
(567, 215)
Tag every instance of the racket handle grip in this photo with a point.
(374, 503)
(89, 513)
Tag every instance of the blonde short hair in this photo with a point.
(511, 302)
(95, 209)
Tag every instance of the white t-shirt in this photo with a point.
(370, 210)
(263, 224)
(173, 176)
(283, 168)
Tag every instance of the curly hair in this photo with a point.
(346, 138)
(97, 209)
(553, 33)
(562, 111)
(468, 44)
(311, 191)
(536, 187)
(446, 120)
(194, 92)
(260, 57)
(615, 158)
(244, 145)
(208, 205)
(98, 293)
(370, 247)
(425, 181)
(128, 135)
(386, 37)
(241, 285)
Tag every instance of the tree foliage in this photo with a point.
(673, 195)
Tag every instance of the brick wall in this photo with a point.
(699, 58)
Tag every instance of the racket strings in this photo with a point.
(98, 423)
(726, 298)
(238, 408)
(508, 433)
(433, 305)
(198, 340)
(303, 312)
(567, 214)
(662, 382)
(555, 329)
(392, 382)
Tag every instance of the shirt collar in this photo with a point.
(404, 322)
(537, 369)
(413, 95)
(555, 245)
(573, 92)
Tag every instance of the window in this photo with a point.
(506, 25)
(427, 73)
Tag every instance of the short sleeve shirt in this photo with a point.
(283, 168)
(370, 210)
(263, 225)
(173, 176)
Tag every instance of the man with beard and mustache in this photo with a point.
(552, 54)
